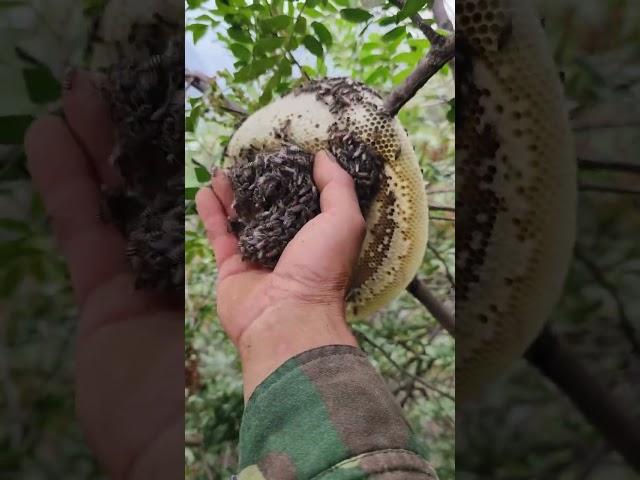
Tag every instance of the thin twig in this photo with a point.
(442, 219)
(442, 208)
(600, 277)
(443, 316)
(586, 164)
(288, 45)
(193, 439)
(585, 187)
(402, 370)
(436, 254)
(203, 83)
(293, 59)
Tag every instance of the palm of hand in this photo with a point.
(129, 358)
(314, 269)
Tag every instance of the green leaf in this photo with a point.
(387, 21)
(42, 86)
(394, 34)
(355, 15)
(240, 51)
(285, 67)
(202, 174)
(451, 114)
(191, 122)
(371, 59)
(277, 23)
(399, 77)
(301, 25)
(323, 33)
(310, 71)
(239, 35)
(14, 226)
(411, 7)
(378, 74)
(313, 45)
(409, 58)
(13, 128)
(198, 30)
(190, 193)
(269, 44)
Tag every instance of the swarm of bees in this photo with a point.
(275, 195)
(145, 93)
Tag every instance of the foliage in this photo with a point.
(41, 438)
(275, 46)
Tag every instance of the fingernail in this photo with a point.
(329, 155)
(69, 77)
(214, 171)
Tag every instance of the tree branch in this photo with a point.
(419, 289)
(203, 84)
(593, 399)
(437, 57)
(586, 164)
(585, 187)
(434, 37)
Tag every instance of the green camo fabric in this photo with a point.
(327, 414)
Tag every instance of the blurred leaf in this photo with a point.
(323, 33)
(265, 45)
(313, 45)
(41, 85)
(411, 7)
(198, 30)
(301, 25)
(240, 51)
(394, 34)
(378, 74)
(13, 128)
(355, 15)
(280, 22)
(239, 35)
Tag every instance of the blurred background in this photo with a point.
(239, 57)
(39, 436)
(525, 427)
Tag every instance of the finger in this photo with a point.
(214, 218)
(222, 187)
(94, 250)
(89, 119)
(337, 191)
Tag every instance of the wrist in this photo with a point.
(286, 330)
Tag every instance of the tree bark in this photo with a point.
(610, 416)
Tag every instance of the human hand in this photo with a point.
(129, 354)
(271, 316)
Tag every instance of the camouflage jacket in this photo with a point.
(327, 414)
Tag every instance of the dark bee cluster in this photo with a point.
(275, 195)
(145, 93)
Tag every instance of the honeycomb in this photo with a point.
(397, 218)
(515, 187)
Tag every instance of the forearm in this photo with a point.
(325, 411)
(285, 331)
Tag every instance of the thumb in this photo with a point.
(337, 190)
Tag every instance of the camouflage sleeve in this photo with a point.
(327, 414)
